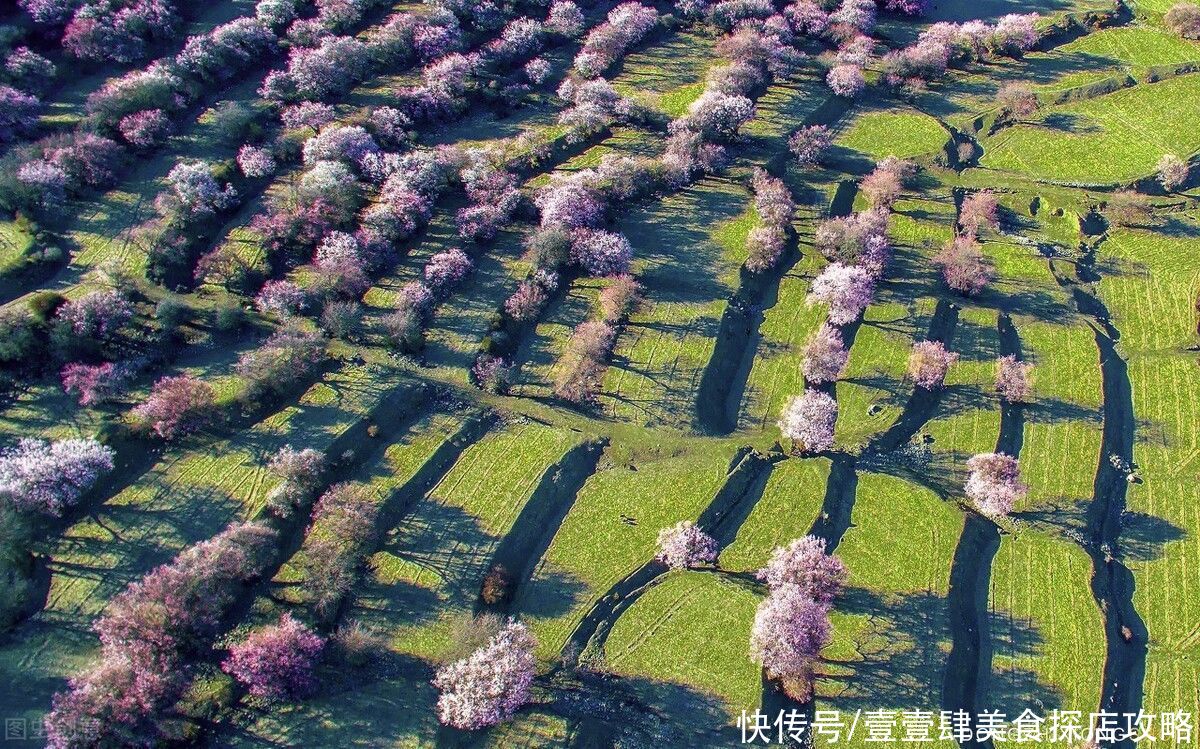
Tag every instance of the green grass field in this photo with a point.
(941, 601)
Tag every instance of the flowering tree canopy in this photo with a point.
(684, 545)
(824, 356)
(1013, 379)
(804, 564)
(276, 662)
(994, 483)
(491, 684)
(928, 364)
(847, 289)
(48, 477)
(809, 420)
(790, 630)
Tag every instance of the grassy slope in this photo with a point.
(1149, 286)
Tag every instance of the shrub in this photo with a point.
(808, 420)
(963, 265)
(928, 364)
(176, 406)
(491, 684)
(804, 564)
(497, 585)
(994, 483)
(626, 25)
(883, 185)
(491, 373)
(1014, 379)
(18, 337)
(276, 662)
(684, 545)
(49, 477)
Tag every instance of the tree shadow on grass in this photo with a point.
(899, 654)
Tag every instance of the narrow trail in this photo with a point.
(1113, 584)
(969, 663)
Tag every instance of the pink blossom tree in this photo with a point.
(300, 471)
(790, 630)
(963, 265)
(685, 545)
(994, 483)
(49, 477)
(256, 162)
(1184, 20)
(928, 364)
(490, 685)
(446, 269)
(95, 383)
(601, 253)
(979, 209)
(809, 144)
(808, 420)
(276, 662)
(176, 406)
(824, 356)
(804, 564)
(1014, 379)
(846, 289)
(1172, 172)
(1016, 100)
(846, 80)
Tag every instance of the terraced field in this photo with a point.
(507, 439)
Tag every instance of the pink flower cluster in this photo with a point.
(846, 289)
(791, 625)
(1014, 379)
(176, 406)
(775, 207)
(144, 634)
(824, 356)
